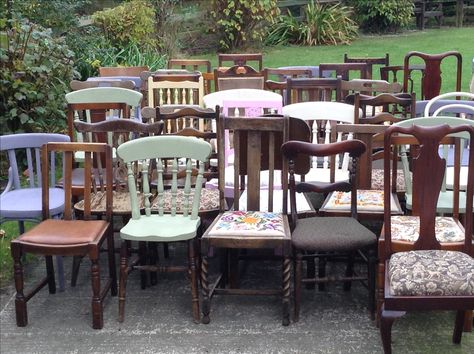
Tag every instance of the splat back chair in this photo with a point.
(394, 73)
(161, 93)
(163, 227)
(202, 65)
(426, 263)
(369, 61)
(322, 236)
(81, 85)
(240, 59)
(431, 79)
(238, 77)
(255, 142)
(312, 89)
(69, 236)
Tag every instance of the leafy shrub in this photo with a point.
(237, 22)
(35, 72)
(322, 24)
(383, 15)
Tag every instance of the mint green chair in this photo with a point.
(163, 227)
(446, 196)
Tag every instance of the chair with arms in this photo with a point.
(426, 262)
(323, 236)
(238, 77)
(163, 227)
(240, 59)
(69, 236)
(370, 61)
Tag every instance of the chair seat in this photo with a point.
(406, 228)
(331, 234)
(431, 273)
(121, 203)
(209, 200)
(65, 232)
(248, 223)
(155, 228)
(377, 179)
(26, 203)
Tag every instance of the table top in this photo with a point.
(312, 110)
(216, 98)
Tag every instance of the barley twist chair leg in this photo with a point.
(194, 279)
(286, 290)
(206, 302)
(97, 311)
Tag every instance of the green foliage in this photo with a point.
(322, 24)
(383, 15)
(131, 22)
(35, 72)
(238, 22)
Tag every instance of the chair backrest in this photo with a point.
(275, 78)
(240, 59)
(201, 65)
(369, 61)
(81, 85)
(122, 70)
(102, 176)
(369, 87)
(17, 146)
(399, 104)
(238, 77)
(194, 151)
(428, 170)
(294, 149)
(344, 70)
(175, 92)
(450, 102)
(431, 79)
(312, 89)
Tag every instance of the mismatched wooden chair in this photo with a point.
(69, 236)
(368, 87)
(180, 90)
(163, 227)
(369, 61)
(327, 237)
(426, 261)
(344, 70)
(312, 89)
(202, 65)
(122, 70)
(240, 59)
(238, 77)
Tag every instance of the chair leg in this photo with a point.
(142, 257)
(194, 279)
(311, 272)
(371, 270)
(286, 290)
(322, 263)
(379, 290)
(60, 267)
(349, 271)
(297, 284)
(20, 300)
(458, 326)
(123, 278)
(153, 259)
(76, 263)
(386, 321)
(111, 262)
(206, 301)
(50, 273)
(97, 311)
(21, 227)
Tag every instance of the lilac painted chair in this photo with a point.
(24, 202)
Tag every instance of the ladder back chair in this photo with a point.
(69, 236)
(240, 59)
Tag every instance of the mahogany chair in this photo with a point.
(69, 236)
(312, 89)
(275, 78)
(369, 61)
(240, 59)
(425, 260)
(431, 79)
(391, 74)
(344, 70)
(327, 237)
(238, 77)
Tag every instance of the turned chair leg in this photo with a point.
(97, 311)
(194, 279)
(286, 290)
(123, 278)
(143, 261)
(297, 284)
(206, 301)
(371, 274)
(20, 300)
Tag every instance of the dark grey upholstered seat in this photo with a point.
(346, 234)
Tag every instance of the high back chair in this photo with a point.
(255, 140)
(69, 236)
(161, 227)
(23, 202)
(240, 60)
(344, 70)
(326, 237)
(369, 61)
(238, 77)
(426, 261)
(394, 73)
(168, 92)
(431, 79)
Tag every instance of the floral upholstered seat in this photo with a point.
(209, 200)
(377, 180)
(121, 203)
(248, 223)
(406, 228)
(431, 273)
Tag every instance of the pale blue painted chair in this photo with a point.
(179, 225)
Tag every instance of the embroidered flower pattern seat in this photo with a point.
(248, 223)
(209, 200)
(121, 203)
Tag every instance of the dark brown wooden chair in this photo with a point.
(275, 78)
(369, 87)
(391, 74)
(69, 237)
(312, 89)
(369, 61)
(238, 77)
(431, 79)
(426, 261)
(240, 59)
(344, 70)
(329, 237)
(257, 143)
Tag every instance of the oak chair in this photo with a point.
(238, 77)
(369, 61)
(240, 59)
(426, 261)
(69, 236)
(163, 227)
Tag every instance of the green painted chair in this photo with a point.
(163, 227)
(446, 196)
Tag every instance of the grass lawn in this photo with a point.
(429, 41)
